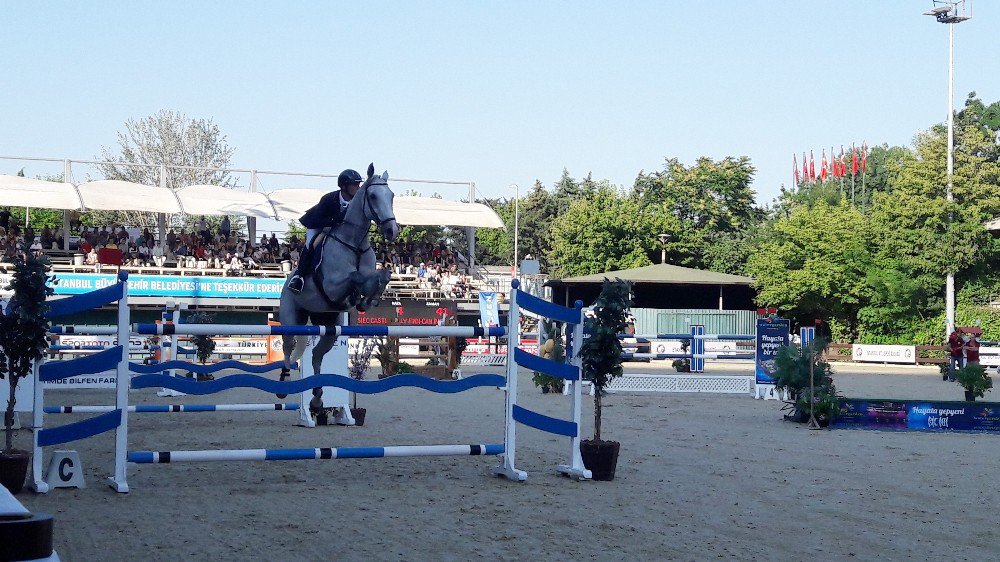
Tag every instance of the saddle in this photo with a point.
(315, 272)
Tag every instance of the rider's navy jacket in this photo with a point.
(325, 213)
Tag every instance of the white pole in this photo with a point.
(517, 269)
(950, 281)
(117, 481)
(67, 174)
(507, 468)
(37, 422)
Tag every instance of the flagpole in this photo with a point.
(854, 166)
(864, 172)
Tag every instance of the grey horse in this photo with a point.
(349, 278)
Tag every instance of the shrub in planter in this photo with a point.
(974, 380)
(602, 362)
(791, 376)
(360, 360)
(555, 350)
(23, 341)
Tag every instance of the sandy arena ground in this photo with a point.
(700, 477)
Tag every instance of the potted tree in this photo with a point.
(203, 345)
(792, 370)
(361, 359)
(602, 362)
(23, 341)
(387, 351)
(974, 380)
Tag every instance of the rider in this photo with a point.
(329, 212)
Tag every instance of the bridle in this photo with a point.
(366, 207)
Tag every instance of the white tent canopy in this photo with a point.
(284, 204)
(16, 191)
(115, 195)
(218, 200)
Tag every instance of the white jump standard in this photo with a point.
(116, 358)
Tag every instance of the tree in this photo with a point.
(813, 264)
(605, 232)
(168, 138)
(711, 201)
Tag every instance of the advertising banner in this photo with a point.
(884, 353)
(919, 415)
(489, 314)
(173, 286)
(772, 334)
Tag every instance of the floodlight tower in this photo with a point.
(950, 12)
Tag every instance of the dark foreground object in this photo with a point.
(600, 458)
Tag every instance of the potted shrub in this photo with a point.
(23, 341)
(602, 362)
(360, 360)
(553, 349)
(791, 376)
(203, 345)
(974, 380)
(387, 352)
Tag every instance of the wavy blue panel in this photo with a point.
(203, 369)
(86, 365)
(547, 366)
(86, 301)
(190, 386)
(80, 430)
(544, 423)
(548, 309)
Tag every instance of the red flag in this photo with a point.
(795, 169)
(843, 162)
(805, 168)
(854, 160)
(812, 167)
(822, 174)
(864, 157)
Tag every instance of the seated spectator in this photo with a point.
(156, 253)
(36, 245)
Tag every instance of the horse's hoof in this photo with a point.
(316, 405)
(284, 375)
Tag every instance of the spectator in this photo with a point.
(5, 218)
(225, 226)
(956, 356)
(156, 252)
(971, 348)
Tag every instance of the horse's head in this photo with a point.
(378, 202)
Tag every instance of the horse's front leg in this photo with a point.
(324, 345)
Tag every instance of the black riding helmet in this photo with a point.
(348, 176)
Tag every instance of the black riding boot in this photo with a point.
(296, 283)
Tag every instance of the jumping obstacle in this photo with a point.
(174, 408)
(149, 376)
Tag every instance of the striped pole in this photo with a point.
(85, 330)
(159, 457)
(173, 408)
(357, 331)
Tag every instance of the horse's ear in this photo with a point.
(385, 175)
(371, 170)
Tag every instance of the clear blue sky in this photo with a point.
(491, 92)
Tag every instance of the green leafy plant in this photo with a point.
(404, 367)
(791, 375)
(387, 352)
(602, 351)
(23, 330)
(974, 379)
(360, 360)
(556, 353)
(203, 345)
